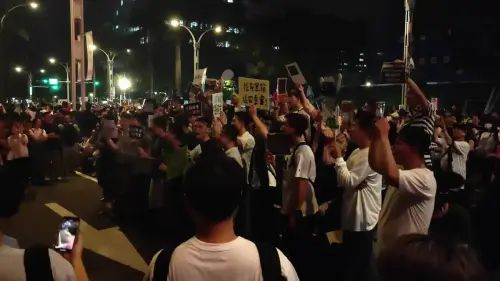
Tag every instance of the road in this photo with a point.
(111, 252)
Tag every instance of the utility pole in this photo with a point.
(409, 7)
(77, 49)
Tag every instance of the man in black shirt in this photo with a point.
(54, 167)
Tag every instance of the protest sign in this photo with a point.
(295, 73)
(393, 73)
(254, 92)
(194, 109)
(135, 132)
(217, 104)
(200, 76)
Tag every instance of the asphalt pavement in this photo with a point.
(112, 251)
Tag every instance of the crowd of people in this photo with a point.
(250, 194)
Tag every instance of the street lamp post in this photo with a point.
(19, 69)
(67, 69)
(196, 42)
(32, 5)
(111, 61)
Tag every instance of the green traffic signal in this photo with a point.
(45, 81)
(97, 83)
(54, 87)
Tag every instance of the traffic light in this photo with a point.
(97, 83)
(54, 87)
(53, 81)
(45, 81)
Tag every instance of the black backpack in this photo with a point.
(268, 254)
(37, 264)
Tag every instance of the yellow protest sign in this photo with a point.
(254, 91)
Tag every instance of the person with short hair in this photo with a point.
(213, 190)
(409, 202)
(229, 139)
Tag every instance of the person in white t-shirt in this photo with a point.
(12, 265)
(459, 150)
(246, 142)
(409, 202)
(213, 187)
(362, 197)
(298, 197)
(18, 143)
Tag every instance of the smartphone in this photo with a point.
(66, 236)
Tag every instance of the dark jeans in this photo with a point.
(358, 252)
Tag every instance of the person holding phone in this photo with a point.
(65, 267)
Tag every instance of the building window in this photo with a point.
(446, 59)
(421, 61)
(422, 37)
(193, 24)
(345, 64)
(121, 3)
(229, 1)
(361, 59)
(144, 40)
(361, 54)
(223, 44)
(434, 60)
(134, 29)
(117, 27)
(276, 48)
(117, 12)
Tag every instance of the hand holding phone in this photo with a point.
(67, 234)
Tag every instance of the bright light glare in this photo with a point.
(129, 51)
(124, 83)
(218, 29)
(91, 94)
(93, 47)
(368, 84)
(34, 5)
(42, 70)
(55, 97)
(18, 69)
(175, 23)
(52, 60)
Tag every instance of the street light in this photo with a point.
(368, 84)
(196, 43)
(18, 69)
(110, 55)
(42, 70)
(32, 5)
(124, 84)
(67, 69)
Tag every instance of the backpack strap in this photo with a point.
(292, 162)
(269, 262)
(162, 264)
(37, 264)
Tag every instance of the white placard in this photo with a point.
(199, 78)
(295, 73)
(60, 101)
(217, 104)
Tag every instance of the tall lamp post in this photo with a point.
(32, 5)
(67, 69)
(110, 56)
(196, 42)
(19, 69)
(409, 7)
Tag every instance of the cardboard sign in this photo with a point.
(217, 104)
(393, 73)
(213, 85)
(135, 132)
(195, 109)
(295, 73)
(199, 78)
(254, 92)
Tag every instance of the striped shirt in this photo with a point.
(423, 118)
